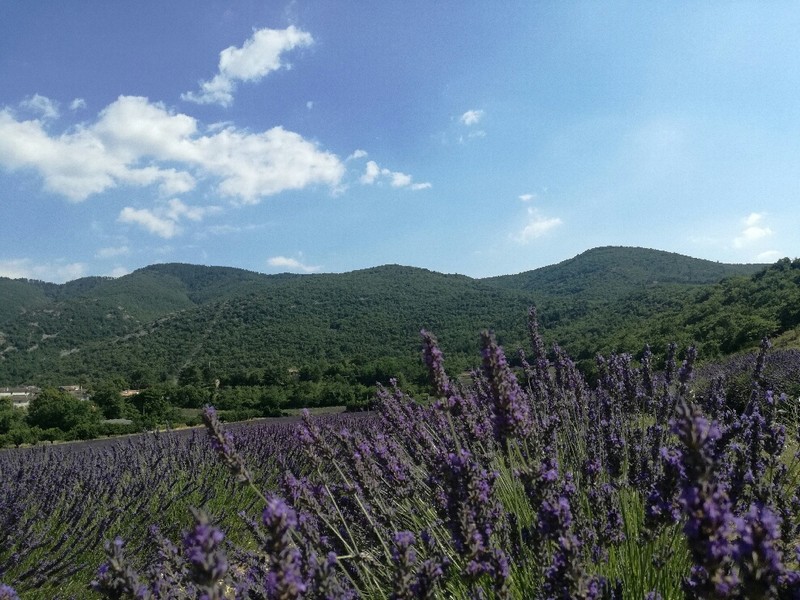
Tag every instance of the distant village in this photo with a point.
(21, 396)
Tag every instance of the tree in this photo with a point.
(154, 407)
(9, 416)
(109, 400)
(54, 408)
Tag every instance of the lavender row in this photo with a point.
(59, 503)
(524, 483)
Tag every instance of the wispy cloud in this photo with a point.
(375, 174)
(113, 252)
(537, 226)
(527, 197)
(291, 264)
(769, 256)
(41, 105)
(753, 231)
(471, 117)
(164, 220)
(260, 55)
(357, 154)
(77, 104)
(26, 268)
(118, 272)
(135, 142)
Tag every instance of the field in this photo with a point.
(654, 482)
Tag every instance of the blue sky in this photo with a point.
(480, 138)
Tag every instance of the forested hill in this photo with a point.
(156, 322)
(614, 271)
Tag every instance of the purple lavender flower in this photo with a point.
(706, 506)
(434, 360)
(116, 578)
(7, 592)
(286, 578)
(222, 441)
(756, 553)
(510, 406)
(404, 557)
(207, 561)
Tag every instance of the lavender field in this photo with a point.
(525, 483)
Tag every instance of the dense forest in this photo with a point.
(148, 326)
(261, 343)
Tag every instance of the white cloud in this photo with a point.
(113, 252)
(47, 108)
(537, 226)
(310, 104)
(160, 225)
(177, 210)
(753, 231)
(375, 174)
(138, 143)
(769, 256)
(471, 117)
(77, 104)
(164, 220)
(229, 229)
(26, 268)
(118, 272)
(400, 179)
(753, 219)
(358, 154)
(527, 197)
(372, 173)
(291, 263)
(259, 55)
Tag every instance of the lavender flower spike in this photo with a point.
(511, 410)
(7, 592)
(222, 441)
(207, 561)
(434, 360)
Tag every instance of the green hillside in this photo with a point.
(160, 320)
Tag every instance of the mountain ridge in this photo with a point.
(164, 316)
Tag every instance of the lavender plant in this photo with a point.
(525, 483)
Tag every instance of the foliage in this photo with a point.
(526, 482)
(54, 409)
(193, 324)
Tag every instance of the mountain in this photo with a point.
(613, 271)
(162, 319)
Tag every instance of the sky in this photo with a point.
(480, 138)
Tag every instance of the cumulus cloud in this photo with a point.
(371, 174)
(77, 103)
(471, 117)
(375, 174)
(537, 226)
(164, 220)
(159, 225)
(753, 231)
(141, 143)
(43, 106)
(292, 264)
(527, 197)
(260, 54)
(26, 268)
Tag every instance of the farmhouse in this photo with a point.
(20, 396)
